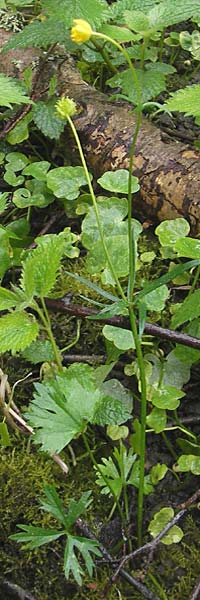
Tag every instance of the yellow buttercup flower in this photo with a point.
(81, 31)
(66, 107)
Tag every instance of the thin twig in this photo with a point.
(16, 590)
(196, 591)
(124, 574)
(153, 330)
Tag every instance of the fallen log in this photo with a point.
(169, 173)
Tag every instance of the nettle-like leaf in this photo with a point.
(12, 92)
(62, 407)
(112, 212)
(90, 10)
(3, 201)
(17, 330)
(169, 12)
(40, 269)
(44, 116)
(151, 83)
(39, 34)
(116, 11)
(158, 523)
(185, 100)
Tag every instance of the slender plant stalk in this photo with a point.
(143, 422)
(44, 317)
(104, 55)
(95, 205)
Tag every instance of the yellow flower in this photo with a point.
(81, 31)
(66, 107)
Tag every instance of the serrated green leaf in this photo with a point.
(151, 84)
(169, 12)
(35, 536)
(41, 267)
(58, 414)
(38, 34)
(11, 92)
(189, 309)
(158, 523)
(185, 100)
(7, 299)
(3, 201)
(17, 330)
(115, 404)
(44, 116)
(90, 10)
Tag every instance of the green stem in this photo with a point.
(131, 233)
(143, 422)
(95, 205)
(107, 38)
(169, 446)
(104, 55)
(44, 317)
(195, 280)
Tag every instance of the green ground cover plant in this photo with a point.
(126, 39)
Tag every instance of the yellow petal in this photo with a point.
(81, 31)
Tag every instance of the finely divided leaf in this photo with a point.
(35, 536)
(85, 547)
